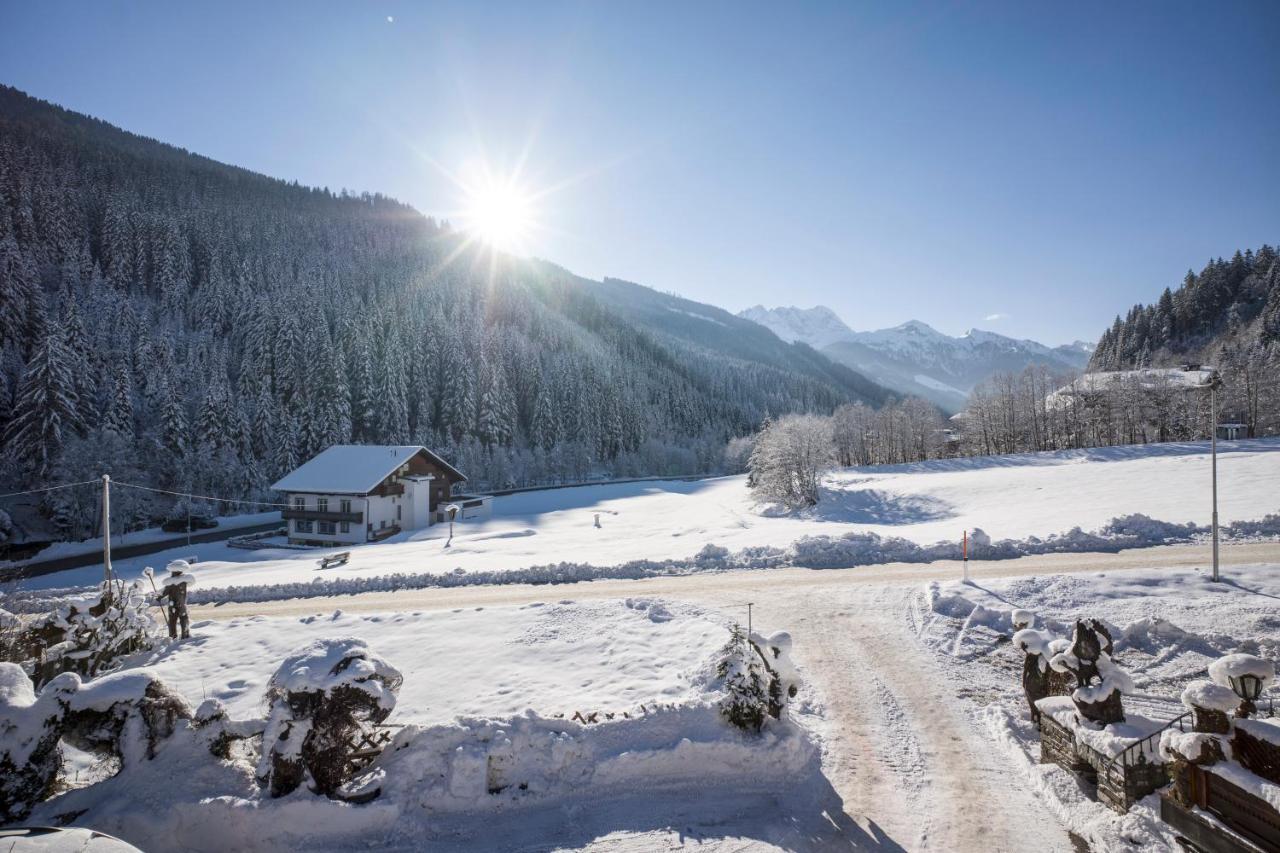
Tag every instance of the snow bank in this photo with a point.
(814, 552)
(482, 765)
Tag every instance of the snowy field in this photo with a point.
(1168, 625)
(1029, 503)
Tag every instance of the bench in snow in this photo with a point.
(339, 559)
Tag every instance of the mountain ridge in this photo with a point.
(206, 328)
(915, 358)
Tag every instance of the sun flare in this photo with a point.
(500, 214)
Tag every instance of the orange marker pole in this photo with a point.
(965, 550)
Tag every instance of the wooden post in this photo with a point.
(964, 549)
(750, 604)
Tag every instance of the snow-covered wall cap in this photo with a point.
(1233, 666)
(1214, 697)
(353, 469)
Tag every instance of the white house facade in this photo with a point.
(350, 493)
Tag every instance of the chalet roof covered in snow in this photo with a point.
(354, 469)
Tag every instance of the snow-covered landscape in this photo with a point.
(586, 692)
(1082, 500)
(628, 428)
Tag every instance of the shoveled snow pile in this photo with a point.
(1171, 627)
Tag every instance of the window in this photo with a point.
(303, 526)
(398, 508)
(299, 503)
(322, 504)
(345, 527)
(344, 505)
(325, 527)
(382, 525)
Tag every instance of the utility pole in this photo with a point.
(106, 528)
(1213, 445)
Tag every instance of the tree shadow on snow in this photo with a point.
(872, 506)
(808, 817)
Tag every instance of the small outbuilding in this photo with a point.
(354, 493)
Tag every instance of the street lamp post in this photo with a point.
(1213, 383)
(1213, 444)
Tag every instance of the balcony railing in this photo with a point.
(316, 515)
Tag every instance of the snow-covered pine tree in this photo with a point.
(118, 417)
(47, 410)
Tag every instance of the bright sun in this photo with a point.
(500, 214)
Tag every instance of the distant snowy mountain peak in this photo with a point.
(817, 326)
(914, 357)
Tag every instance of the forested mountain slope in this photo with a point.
(1228, 316)
(191, 325)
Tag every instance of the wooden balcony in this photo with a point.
(316, 515)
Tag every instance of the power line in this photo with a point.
(49, 489)
(198, 497)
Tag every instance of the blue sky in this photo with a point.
(1032, 168)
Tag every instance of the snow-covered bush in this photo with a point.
(790, 457)
(322, 697)
(758, 682)
(125, 714)
(89, 635)
(10, 637)
(6, 527)
(30, 728)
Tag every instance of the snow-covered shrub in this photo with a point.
(30, 727)
(125, 714)
(89, 635)
(790, 457)
(6, 527)
(321, 698)
(758, 682)
(10, 637)
(222, 731)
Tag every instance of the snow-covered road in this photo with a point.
(908, 766)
